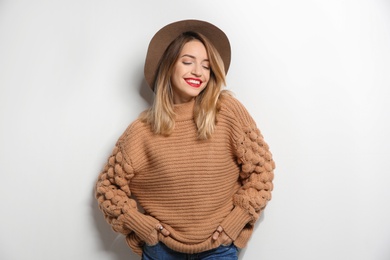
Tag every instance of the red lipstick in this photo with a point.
(194, 82)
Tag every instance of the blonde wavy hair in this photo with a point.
(161, 116)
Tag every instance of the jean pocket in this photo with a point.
(150, 246)
(230, 246)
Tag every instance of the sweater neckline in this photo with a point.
(184, 111)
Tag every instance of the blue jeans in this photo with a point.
(162, 252)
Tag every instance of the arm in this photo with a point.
(114, 198)
(256, 173)
(256, 178)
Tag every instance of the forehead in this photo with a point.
(194, 48)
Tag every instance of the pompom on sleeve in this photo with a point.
(114, 198)
(256, 174)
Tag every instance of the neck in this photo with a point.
(184, 111)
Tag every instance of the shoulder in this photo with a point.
(228, 100)
(231, 107)
(134, 135)
(135, 130)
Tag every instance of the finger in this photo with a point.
(226, 239)
(219, 229)
(215, 235)
(162, 230)
(159, 227)
(165, 232)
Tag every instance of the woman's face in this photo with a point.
(191, 72)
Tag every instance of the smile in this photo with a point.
(194, 82)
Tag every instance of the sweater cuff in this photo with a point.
(141, 224)
(235, 222)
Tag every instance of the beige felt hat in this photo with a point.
(168, 33)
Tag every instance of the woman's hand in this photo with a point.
(153, 237)
(225, 239)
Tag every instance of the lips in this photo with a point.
(196, 83)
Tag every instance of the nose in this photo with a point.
(197, 70)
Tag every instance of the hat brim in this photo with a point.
(170, 32)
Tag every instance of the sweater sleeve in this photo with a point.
(256, 173)
(114, 198)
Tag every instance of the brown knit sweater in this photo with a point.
(190, 186)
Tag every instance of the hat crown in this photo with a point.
(163, 38)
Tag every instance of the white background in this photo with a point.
(314, 74)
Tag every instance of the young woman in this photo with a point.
(188, 178)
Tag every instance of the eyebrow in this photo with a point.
(192, 57)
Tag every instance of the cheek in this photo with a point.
(207, 78)
(174, 77)
(175, 72)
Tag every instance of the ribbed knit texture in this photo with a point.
(190, 186)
